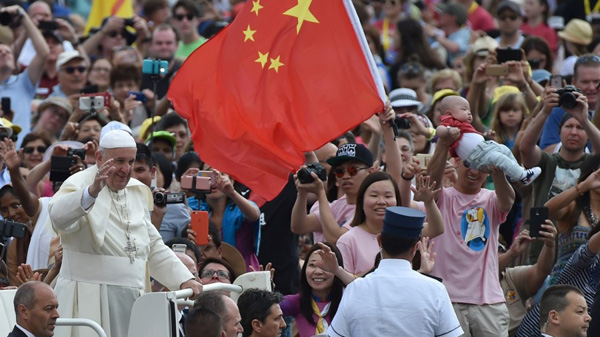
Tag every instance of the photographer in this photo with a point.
(586, 77)
(113, 34)
(169, 219)
(560, 170)
(24, 84)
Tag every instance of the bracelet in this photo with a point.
(577, 189)
(407, 179)
(432, 133)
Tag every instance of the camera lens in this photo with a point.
(5, 18)
(304, 176)
(567, 100)
(402, 123)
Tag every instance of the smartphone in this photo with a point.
(6, 105)
(199, 225)
(556, 81)
(48, 25)
(496, 70)
(139, 96)
(423, 159)
(504, 55)
(96, 101)
(60, 167)
(537, 217)
(196, 183)
(179, 248)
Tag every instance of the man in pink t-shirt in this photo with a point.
(467, 252)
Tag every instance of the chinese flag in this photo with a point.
(284, 78)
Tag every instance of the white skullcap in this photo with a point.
(114, 125)
(117, 139)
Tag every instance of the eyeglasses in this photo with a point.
(587, 58)
(30, 149)
(352, 171)
(179, 17)
(221, 274)
(71, 70)
(114, 34)
(511, 17)
(411, 69)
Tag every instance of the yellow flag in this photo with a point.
(105, 8)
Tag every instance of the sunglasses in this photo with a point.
(411, 69)
(30, 149)
(179, 17)
(352, 171)
(114, 34)
(208, 273)
(511, 17)
(70, 70)
(587, 58)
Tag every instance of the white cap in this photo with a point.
(117, 139)
(114, 125)
(67, 56)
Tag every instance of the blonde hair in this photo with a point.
(444, 74)
(506, 102)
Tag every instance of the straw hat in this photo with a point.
(577, 31)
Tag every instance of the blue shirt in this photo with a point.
(21, 92)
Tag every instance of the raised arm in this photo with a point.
(30, 201)
(424, 192)
(504, 191)
(437, 164)
(542, 268)
(530, 152)
(580, 112)
(248, 208)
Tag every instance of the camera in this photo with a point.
(94, 102)
(155, 67)
(402, 122)
(8, 19)
(305, 177)
(48, 25)
(76, 152)
(128, 22)
(162, 199)
(567, 98)
(10, 228)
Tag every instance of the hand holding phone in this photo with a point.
(199, 225)
(537, 217)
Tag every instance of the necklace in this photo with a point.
(131, 249)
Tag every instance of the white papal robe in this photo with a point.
(97, 279)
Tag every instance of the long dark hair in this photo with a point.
(306, 291)
(359, 213)
(582, 203)
(413, 41)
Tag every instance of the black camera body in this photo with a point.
(567, 98)
(162, 199)
(8, 19)
(9, 228)
(128, 22)
(402, 122)
(60, 166)
(76, 152)
(305, 177)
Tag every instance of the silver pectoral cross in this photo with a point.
(131, 250)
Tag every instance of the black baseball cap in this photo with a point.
(349, 152)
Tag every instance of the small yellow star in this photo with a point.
(256, 6)
(302, 12)
(249, 34)
(262, 59)
(275, 64)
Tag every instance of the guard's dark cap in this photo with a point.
(349, 152)
(403, 222)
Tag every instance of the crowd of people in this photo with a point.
(468, 206)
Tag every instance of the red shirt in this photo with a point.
(480, 19)
(447, 120)
(544, 31)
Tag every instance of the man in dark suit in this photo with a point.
(36, 308)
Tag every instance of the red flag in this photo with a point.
(284, 78)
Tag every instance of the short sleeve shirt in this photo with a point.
(342, 212)
(21, 91)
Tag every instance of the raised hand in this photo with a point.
(11, 157)
(427, 257)
(329, 262)
(425, 189)
(26, 274)
(101, 178)
(548, 234)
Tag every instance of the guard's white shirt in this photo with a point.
(395, 301)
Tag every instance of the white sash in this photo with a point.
(103, 269)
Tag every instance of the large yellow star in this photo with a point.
(302, 12)
(249, 34)
(262, 59)
(256, 6)
(275, 64)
